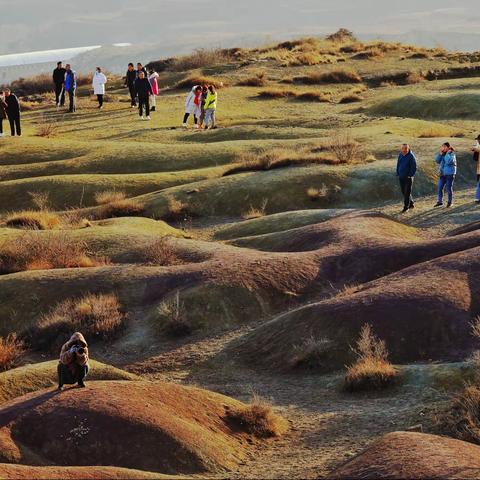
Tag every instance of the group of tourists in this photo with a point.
(446, 160)
(10, 109)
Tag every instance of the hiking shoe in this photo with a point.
(449, 204)
(438, 204)
(148, 117)
(184, 125)
(81, 385)
(412, 205)
(152, 109)
(405, 209)
(60, 388)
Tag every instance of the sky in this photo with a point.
(29, 25)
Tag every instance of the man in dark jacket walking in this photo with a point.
(59, 81)
(130, 78)
(143, 90)
(406, 169)
(13, 112)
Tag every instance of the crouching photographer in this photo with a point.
(73, 366)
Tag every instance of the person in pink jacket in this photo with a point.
(152, 78)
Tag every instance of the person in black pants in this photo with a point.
(130, 78)
(13, 112)
(406, 169)
(3, 112)
(59, 81)
(143, 90)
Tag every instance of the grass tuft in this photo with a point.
(11, 349)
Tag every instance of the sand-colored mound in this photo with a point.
(403, 455)
(423, 312)
(37, 376)
(23, 472)
(157, 427)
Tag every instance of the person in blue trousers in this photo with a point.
(447, 168)
(406, 169)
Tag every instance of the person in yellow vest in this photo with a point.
(210, 108)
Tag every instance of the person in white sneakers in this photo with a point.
(192, 105)
(98, 83)
(152, 78)
(143, 89)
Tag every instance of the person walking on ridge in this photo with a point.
(70, 87)
(143, 89)
(98, 83)
(406, 169)
(59, 82)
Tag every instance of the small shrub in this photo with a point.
(258, 419)
(40, 200)
(254, 212)
(97, 316)
(47, 128)
(414, 77)
(339, 75)
(344, 147)
(128, 207)
(173, 316)
(11, 349)
(313, 97)
(372, 370)
(177, 211)
(437, 131)
(258, 80)
(109, 196)
(342, 35)
(33, 220)
(317, 193)
(370, 54)
(351, 98)
(161, 252)
(201, 58)
(45, 251)
(311, 354)
(193, 80)
(277, 93)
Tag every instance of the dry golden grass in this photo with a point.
(109, 196)
(311, 353)
(342, 35)
(177, 211)
(44, 252)
(313, 97)
(414, 77)
(462, 418)
(48, 128)
(340, 75)
(201, 58)
(277, 93)
(258, 419)
(96, 316)
(161, 252)
(345, 148)
(255, 212)
(438, 131)
(318, 193)
(260, 79)
(172, 317)
(128, 207)
(193, 80)
(33, 220)
(351, 98)
(11, 349)
(372, 370)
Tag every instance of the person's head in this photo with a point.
(198, 89)
(405, 148)
(130, 66)
(139, 66)
(205, 87)
(478, 138)
(99, 70)
(59, 64)
(211, 89)
(446, 147)
(67, 67)
(78, 339)
(151, 71)
(7, 92)
(141, 74)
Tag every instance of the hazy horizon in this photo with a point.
(29, 25)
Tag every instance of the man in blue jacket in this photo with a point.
(70, 86)
(406, 169)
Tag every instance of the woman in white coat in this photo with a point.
(98, 83)
(192, 105)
